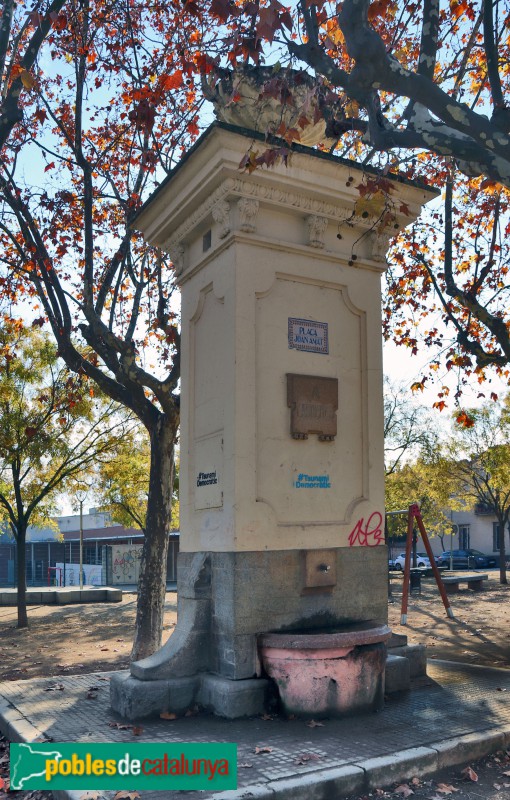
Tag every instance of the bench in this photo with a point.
(473, 582)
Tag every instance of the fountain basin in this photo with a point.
(328, 673)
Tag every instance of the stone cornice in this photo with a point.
(264, 193)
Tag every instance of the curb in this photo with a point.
(340, 781)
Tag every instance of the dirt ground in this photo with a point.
(74, 639)
(480, 632)
(79, 639)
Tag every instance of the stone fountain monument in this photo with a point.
(282, 572)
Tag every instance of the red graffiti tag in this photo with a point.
(369, 535)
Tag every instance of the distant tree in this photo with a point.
(52, 429)
(428, 480)
(123, 481)
(407, 427)
(480, 452)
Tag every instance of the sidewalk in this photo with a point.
(458, 713)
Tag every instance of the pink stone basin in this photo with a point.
(328, 673)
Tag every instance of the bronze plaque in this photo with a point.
(313, 402)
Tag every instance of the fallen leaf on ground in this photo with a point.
(304, 758)
(120, 725)
(57, 688)
(314, 724)
(90, 796)
(469, 774)
(137, 730)
(260, 750)
(404, 789)
(126, 795)
(446, 788)
(245, 766)
(267, 717)
(168, 715)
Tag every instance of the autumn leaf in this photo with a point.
(469, 774)
(2, 784)
(90, 796)
(27, 80)
(446, 788)
(221, 9)
(304, 758)
(261, 750)
(58, 687)
(314, 724)
(174, 81)
(352, 109)
(137, 730)
(168, 715)
(126, 796)
(371, 206)
(465, 420)
(404, 789)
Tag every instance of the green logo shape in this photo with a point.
(131, 766)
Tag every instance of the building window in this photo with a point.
(464, 537)
(495, 537)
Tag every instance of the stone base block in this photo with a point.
(134, 699)
(397, 674)
(64, 597)
(92, 595)
(232, 699)
(113, 595)
(416, 654)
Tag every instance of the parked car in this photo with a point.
(422, 560)
(471, 559)
(391, 564)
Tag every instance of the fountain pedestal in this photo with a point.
(281, 473)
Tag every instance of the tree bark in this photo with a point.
(21, 576)
(502, 553)
(152, 583)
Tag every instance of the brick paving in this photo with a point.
(455, 700)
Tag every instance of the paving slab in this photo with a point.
(459, 712)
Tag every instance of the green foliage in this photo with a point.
(427, 480)
(417, 468)
(481, 452)
(52, 430)
(123, 480)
